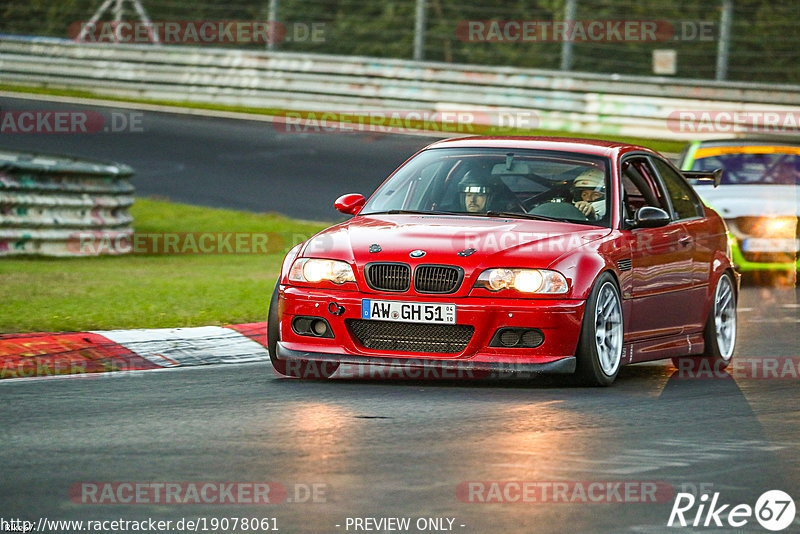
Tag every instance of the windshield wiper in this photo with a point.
(517, 215)
(507, 214)
(415, 212)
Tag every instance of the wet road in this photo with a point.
(383, 449)
(407, 448)
(240, 164)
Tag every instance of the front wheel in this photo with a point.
(273, 333)
(600, 347)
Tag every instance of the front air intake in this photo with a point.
(388, 276)
(410, 337)
(440, 279)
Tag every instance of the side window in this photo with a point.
(638, 187)
(685, 203)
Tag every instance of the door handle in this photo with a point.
(685, 240)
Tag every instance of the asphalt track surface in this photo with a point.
(248, 165)
(398, 448)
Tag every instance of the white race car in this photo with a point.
(759, 198)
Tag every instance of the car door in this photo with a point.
(661, 258)
(687, 208)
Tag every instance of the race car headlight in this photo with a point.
(523, 280)
(777, 227)
(316, 270)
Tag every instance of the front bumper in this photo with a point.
(558, 320)
(744, 265)
(438, 368)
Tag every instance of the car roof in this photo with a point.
(566, 144)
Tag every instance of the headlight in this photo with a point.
(777, 227)
(523, 280)
(316, 270)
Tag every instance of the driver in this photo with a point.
(589, 192)
(475, 192)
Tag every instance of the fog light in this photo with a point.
(518, 338)
(532, 338)
(302, 325)
(312, 326)
(509, 338)
(319, 327)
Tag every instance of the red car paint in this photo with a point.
(666, 292)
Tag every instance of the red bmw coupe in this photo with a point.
(512, 254)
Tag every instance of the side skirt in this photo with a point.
(663, 347)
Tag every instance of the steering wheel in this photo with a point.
(559, 210)
(560, 191)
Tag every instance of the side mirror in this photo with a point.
(650, 217)
(350, 204)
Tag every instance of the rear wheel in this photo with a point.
(296, 369)
(599, 352)
(720, 330)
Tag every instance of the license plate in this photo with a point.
(763, 244)
(408, 312)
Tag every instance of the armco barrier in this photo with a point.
(574, 102)
(46, 200)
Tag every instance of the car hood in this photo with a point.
(496, 242)
(731, 201)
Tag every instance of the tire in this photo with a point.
(294, 369)
(273, 333)
(599, 353)
(719, 333)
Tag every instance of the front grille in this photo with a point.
(410, 337)
(437, 278)
(388, 276)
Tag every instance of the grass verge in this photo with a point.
(169, 290)
(155, 290)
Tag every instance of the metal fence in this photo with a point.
(549, 100)
(745, 40)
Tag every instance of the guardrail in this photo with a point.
(48, 203)
(573, 102)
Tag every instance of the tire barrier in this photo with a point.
(47, 201)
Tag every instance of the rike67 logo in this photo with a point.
(774, 510)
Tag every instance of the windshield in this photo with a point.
(499, 182)
(753, 168)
